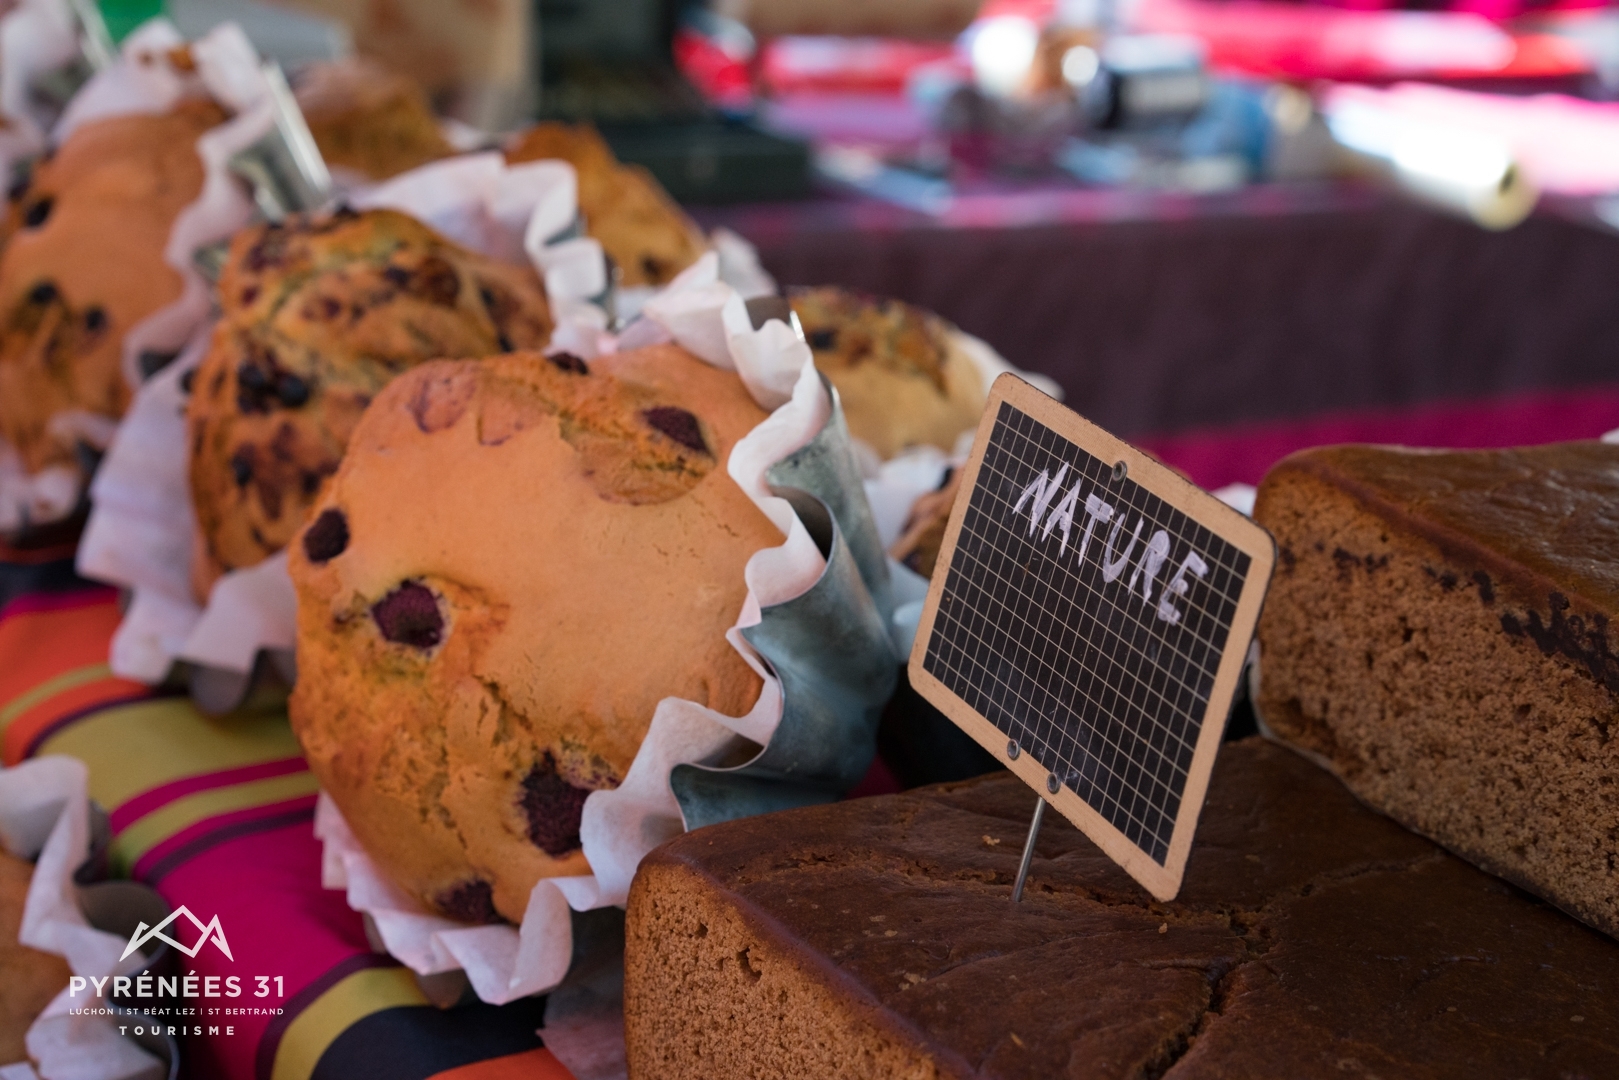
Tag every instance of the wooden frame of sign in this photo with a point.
(1096, 661)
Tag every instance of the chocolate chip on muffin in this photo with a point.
(327, 536)
(471, 901)
(553, 807)
(410, 616)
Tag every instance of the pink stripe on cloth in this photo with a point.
(1243, 454)
(148, 801)
(32, 603)
(265, 889)
(164, 856)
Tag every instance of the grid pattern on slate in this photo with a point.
(1079, 672)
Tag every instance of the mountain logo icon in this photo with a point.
(211, 931)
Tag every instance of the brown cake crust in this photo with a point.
(369, 119)
(1313, 938)
(902, 378)
(1437, 634)
(646, 234)
(84, 263)
(29, 979)
(519, 558)
(318, 315)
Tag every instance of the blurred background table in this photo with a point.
(1167, 314)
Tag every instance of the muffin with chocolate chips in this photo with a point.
(517, 560)
(901, 372)
(84, 263)
(648, 237)
(368, 119)
(317, 315)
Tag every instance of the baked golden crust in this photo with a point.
(317, 315)
(84, 263)
(903, 379)
(369, 119)
(517, 560)
(648, 237)
(29, 979)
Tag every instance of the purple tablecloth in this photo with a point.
(1161, 313)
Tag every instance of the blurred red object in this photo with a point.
(1282, 41)
(796, 65)
(719, 76)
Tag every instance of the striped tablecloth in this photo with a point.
(217, 814)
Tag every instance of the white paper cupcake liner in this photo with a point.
(44, 812)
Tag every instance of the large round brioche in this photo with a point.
(648, 237)
(83, 264)
(518, 559)
(319, 314)
(29, 979)
(903, 378)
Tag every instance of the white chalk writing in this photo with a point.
(1051, 515)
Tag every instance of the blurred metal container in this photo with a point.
(1142, 80)
(1466, 172)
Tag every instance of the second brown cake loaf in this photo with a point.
(1438, 634)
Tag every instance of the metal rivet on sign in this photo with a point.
(1052, 783)
(1119, 471)
(1013, 749)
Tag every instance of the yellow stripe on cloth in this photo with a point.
(137, 747)
(334, 1012)
(65, 681)
(182, 813)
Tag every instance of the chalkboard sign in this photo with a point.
(1087, 624)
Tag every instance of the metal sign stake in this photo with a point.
(1028, 849)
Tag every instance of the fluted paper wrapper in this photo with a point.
(45, 812)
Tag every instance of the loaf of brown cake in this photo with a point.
(1312, 939)
(1437, 634)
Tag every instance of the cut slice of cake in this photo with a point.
(876, 938)
(1437, 633)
